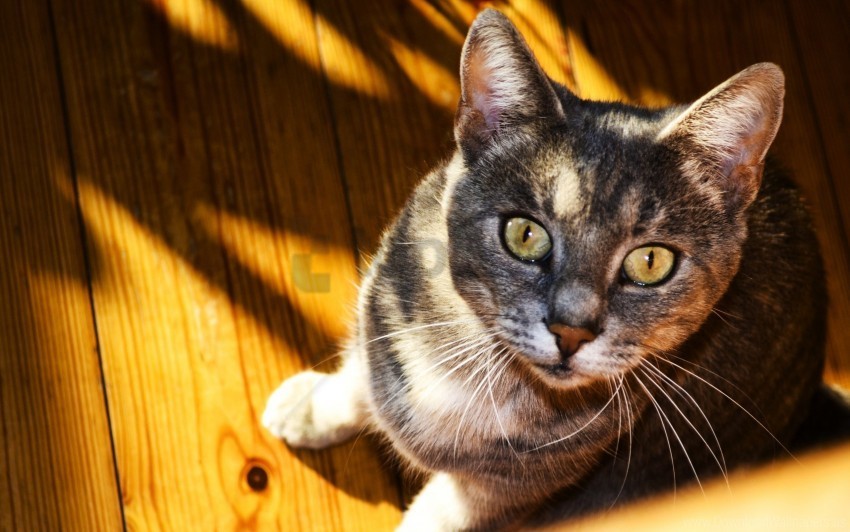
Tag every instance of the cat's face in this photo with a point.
(593, 236)
(593, 227)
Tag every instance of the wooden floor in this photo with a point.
(187, 190)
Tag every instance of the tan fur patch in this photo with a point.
(568, 200)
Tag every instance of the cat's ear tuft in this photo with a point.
(502, 85)
(723, 137)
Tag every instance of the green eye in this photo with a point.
(526, 239)
(649, 265)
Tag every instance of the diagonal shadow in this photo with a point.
(203, 130)
(188, 130)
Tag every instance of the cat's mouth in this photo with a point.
(565, 374)
(559, 370)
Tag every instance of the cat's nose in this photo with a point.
(570, 339)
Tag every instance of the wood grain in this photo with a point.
(823, 40)
(231, 161)
(56, 461)
(211, 196)
(391, 130)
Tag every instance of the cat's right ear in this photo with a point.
(723, 138)
(502, 85)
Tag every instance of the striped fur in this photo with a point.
(452, 358)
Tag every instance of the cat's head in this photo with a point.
(592, 235)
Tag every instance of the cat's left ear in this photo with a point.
(723, 137)
(502, 85)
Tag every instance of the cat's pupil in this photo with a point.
(650, 259)
(526, 234)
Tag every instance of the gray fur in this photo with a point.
(457, 357)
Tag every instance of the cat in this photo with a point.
(633, 300)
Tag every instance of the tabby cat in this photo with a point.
(632, 301)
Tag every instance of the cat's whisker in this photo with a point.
(668, 354)
(676, 433)
(470, 400)
(511, 356)
(452, 354)
(326, 360)
(609, 381)
(402, 390)
(475, 343)
(496, 409)
(630, 424)
(654, 382)
(621, 403)
(736, 403)
(661, 419)
(425, 326)
(682, 392)
(580, 429)
(721, 318)
(475, 346)
(727, 313)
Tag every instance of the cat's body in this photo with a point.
(514, 375)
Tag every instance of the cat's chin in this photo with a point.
(562, 375)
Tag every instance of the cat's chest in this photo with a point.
(462, 407)
(467, 428)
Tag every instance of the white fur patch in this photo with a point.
(568, 201)
(454, 171)
(315, 410)
(439, 506)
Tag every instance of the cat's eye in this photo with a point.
(526, 239)
(649, 265)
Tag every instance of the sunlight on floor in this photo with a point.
(201, 19)
(318, 278)
(341, 60)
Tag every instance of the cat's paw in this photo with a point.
(440, 506)
(301, 412)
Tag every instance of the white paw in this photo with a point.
(295, 413)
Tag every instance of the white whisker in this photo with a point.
(675, 434)
(580, 429)
(688, 397)
(661, 419)
(420, 327)
(655, 383)
(496, 409)
(736, 403)
(478, 345)
(480, 387)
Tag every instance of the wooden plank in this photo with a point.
(305, 184)
(212, 198)
(56, 461)
(390, 129)
(823, 37)
(673, 51)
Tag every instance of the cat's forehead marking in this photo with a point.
(567, 199)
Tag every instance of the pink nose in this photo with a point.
(570, 339)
